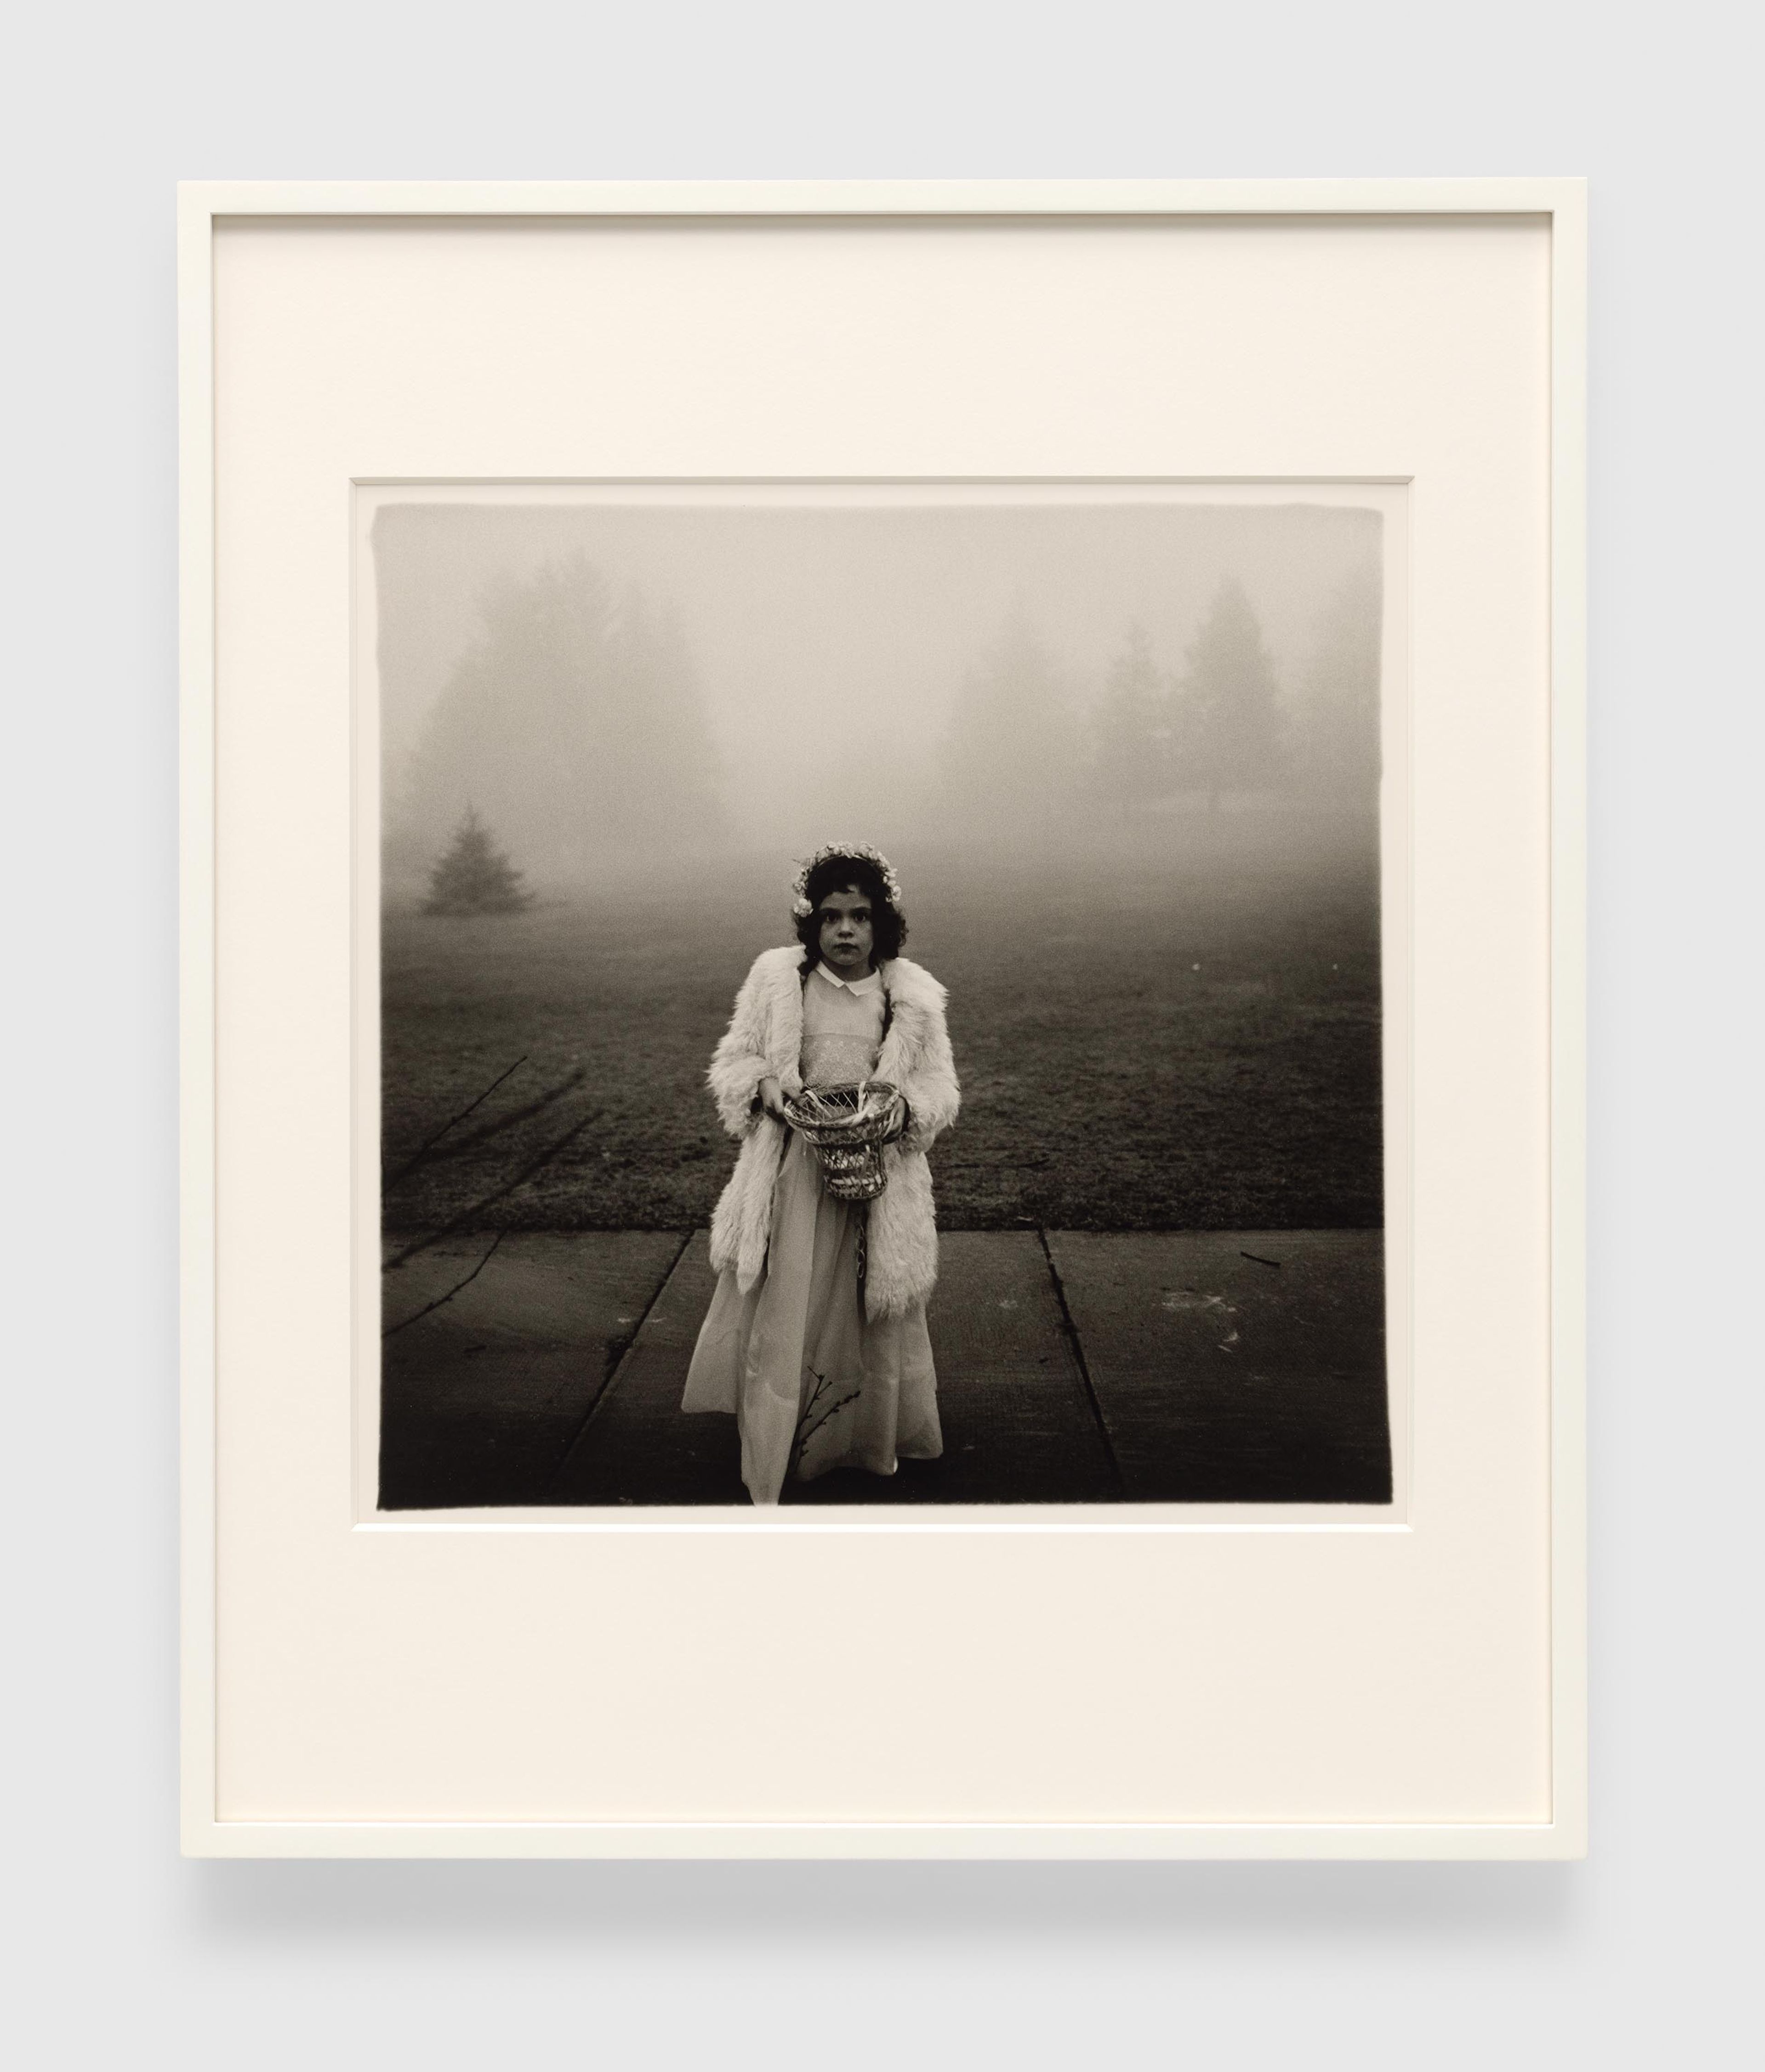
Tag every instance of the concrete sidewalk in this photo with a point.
(1073, 1366)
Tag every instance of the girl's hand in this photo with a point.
(772, 1099)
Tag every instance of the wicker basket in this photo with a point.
(847, 1126)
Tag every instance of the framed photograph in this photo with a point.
(882, 1019)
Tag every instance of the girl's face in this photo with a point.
(847, 933)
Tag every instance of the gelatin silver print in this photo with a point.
(881, 998)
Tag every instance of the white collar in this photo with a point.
(872, 984)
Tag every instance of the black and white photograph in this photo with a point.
(1133, 1441)
(881, 995)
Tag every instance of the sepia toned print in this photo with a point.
(1096, 977)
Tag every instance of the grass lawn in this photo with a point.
(1177, 1031)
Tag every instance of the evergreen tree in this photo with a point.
(475, 876)
(1131, 731)
(1229, 726)
(1011, 752)
(577, 715)
(1339, 706)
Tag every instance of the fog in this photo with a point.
(604, 684)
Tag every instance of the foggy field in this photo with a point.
(1178, 1032)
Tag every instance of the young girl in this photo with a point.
(815, 1336)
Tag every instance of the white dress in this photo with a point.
(814, 1383)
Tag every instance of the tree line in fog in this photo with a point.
(1215, 723)
(575, 728)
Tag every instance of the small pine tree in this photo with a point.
(475, 876)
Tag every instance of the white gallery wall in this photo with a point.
(1641, 1954)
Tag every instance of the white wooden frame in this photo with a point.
(1562, 201)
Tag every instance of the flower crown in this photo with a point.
(858, 853)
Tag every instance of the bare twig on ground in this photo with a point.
(452, 1291)
(428, 1144)
(526, 1173)
(473, 1138)
(809, 1424)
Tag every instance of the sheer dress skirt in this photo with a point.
(813, 1382)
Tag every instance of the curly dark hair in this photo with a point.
(857, 874)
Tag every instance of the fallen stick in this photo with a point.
(451, 1293)
(521, 1179)
(428, 1144)
(473, 1138)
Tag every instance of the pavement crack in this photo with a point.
(1077, 1344)
(616, 1351)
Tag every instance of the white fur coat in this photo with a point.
(764, 1040)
